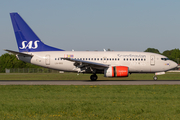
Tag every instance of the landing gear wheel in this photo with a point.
(155, 77)
(93, 77)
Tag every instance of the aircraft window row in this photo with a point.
(112, 59)
(58, 59)
(164, 59)
(134, 59)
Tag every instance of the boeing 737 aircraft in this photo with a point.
(109, 63)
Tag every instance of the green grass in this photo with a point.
(74, 76)
(149, 102)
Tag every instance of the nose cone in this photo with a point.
(173, 64)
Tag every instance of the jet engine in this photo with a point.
(116, 71)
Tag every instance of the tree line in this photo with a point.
(173, 54)
(10, 61)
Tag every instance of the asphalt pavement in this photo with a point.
(86, 82)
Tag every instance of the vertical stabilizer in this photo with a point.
(27, 40)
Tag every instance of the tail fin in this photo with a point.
(27, 40)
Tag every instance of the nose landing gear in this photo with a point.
(155, 78)
(158, 73)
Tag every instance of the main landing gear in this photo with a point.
(93, 77)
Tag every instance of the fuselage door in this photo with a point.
(47, 59)
(152, 60)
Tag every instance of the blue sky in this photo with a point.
(121, 25)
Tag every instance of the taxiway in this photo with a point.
(85, 82)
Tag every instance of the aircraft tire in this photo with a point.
(93, 77)
(155, 78)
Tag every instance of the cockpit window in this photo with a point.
(164, 59)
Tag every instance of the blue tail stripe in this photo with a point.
(27, 40)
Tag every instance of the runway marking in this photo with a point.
(86, 82)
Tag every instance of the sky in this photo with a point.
(119, 25)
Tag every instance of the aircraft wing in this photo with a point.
(19, 53)
(83, 63)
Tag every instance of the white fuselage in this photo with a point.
(136, 61)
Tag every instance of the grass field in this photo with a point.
(74, 76)
(128, 102)
(149, 102)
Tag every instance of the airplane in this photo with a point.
(109, 63)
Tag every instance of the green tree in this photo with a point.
(10, 61)
(167, 53)
(173, 54)
(153, 50)
(108, 49)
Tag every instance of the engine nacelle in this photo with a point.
(116, 71)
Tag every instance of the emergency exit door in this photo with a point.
(152, 60)
(47, 59)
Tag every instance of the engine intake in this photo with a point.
(116, 71)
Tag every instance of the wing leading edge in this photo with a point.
(83, 63)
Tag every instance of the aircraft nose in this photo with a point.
(173, 64)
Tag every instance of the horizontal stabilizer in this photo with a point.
(18, 53)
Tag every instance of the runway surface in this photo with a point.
(85, 82)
